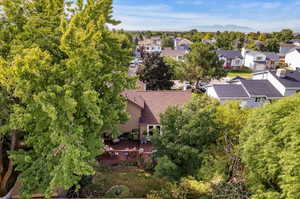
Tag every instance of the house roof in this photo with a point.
(294, 40)
(157, 102)
(172, 53)
(230, 91)
(229, 54)
(291, 79)
(260, 88)
(272, 56)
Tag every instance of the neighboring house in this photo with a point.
(182, 44)
(264, 87)
(272, 59)
(287, 82)
(151, 45)
(232, 58)
(209, 41)
(256, 61)
(177, 55)
(284, 49)
(292, 58)
(145, 108)
(296, 42)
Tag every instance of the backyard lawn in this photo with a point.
(122, 182)
(242, 73)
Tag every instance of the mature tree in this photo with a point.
(187, 133)
(270, 146)
(155, 73)
(167, 42)
(176, 67)
(61, 75)
(202, 64)
(271, 45)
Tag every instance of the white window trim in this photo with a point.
(154, 127)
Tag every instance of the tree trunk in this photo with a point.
(8, 195)
(7, 169)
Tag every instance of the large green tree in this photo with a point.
(187, 133)
(155, 73)
(61, 74)
(270, 146)
(202, 64)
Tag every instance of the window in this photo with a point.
(259, 58)
(237, 61)
(152, 128)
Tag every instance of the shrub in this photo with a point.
(118, 191)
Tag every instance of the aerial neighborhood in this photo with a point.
(171, 102)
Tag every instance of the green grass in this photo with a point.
(139, 182)
(241, 74)
(244, 72)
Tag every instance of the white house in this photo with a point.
(264, 87)
(256, 61)
(292, 58)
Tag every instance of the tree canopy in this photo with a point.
(202, 64)
(61, 75)
(155, 73)
(270, 150)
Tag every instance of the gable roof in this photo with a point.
(157, 102)
(235, 91)
(153, 103)
(229, 54)
(172, 53)
(291, 79)
(272, 56)
(260, 88)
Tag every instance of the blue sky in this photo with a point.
(258, 15)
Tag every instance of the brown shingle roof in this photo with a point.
(157, 102)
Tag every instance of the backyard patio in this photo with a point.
(126, 151)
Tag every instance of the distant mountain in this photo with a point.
(229, 27)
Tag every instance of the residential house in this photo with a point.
(177, 55)
(209, 41)
(151, 45)
(264, 87)
(292, 58)
(232, 58)
(284, 49)
(256, 61)
(296, 42)
(272, 59)
(182, 44)
(145, 108)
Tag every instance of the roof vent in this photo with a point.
(281, 73)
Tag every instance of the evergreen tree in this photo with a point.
(155, 73)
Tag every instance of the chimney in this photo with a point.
(281, 73)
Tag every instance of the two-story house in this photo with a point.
(145, 107)
(256, 61)
(232, 58)
(264, 87)
(153, 44)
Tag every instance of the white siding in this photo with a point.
(293, 59)
(211, 92)
(274, 81)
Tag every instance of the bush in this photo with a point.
(118, 191)
(166, 168)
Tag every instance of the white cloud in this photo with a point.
(163, 17)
